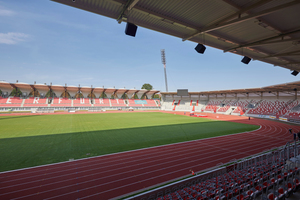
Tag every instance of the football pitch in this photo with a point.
(31, 140)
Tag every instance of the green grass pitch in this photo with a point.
(32, 140)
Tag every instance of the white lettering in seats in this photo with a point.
(8, 100)
(36, 100)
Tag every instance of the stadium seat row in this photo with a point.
(81, 102)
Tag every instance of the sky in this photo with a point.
(46, 42)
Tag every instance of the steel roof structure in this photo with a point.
(265, 30)
(8, 87)
(286, 89)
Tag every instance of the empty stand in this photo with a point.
(35, 102)
(101, 102)
(150, 103)
(118, 103)
(81, 102)
(61, 102)
(288, 108)
(136, 102)
(131, 103)
(227, 105)
(213, 105)
(241, 106)
(268, 107)
(184, 105)
(11, 102)
(294, 115)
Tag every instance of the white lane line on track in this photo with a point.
(95, 160)
(187, 150)
(118, 169)
(110, 172)
(181, 147)
(252, 146)
(115, 181)
(132, 183)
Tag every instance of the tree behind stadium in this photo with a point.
(147, 86)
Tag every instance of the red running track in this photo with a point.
(109, 176)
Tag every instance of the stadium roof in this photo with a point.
(287, 88)
(8, 87)
(265, 30)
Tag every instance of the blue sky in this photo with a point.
(45, 41)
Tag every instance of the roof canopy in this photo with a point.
(286, 88)
(58, 89)
(265, 30)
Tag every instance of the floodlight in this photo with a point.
(295, 73)
(246, 60)
(200, 48)
(130, 29)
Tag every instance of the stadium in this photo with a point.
(81, 142)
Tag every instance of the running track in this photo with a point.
(110, 176)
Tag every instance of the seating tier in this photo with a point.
(101, 103)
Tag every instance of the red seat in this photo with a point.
(271, 196)
(240, 197)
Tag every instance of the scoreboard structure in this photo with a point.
(182, 92)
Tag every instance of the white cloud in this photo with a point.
(12, 38)
(5, 12)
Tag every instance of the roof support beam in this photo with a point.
(244, 10)
(242, 19)
(274, 42)
(159, 16)
(132, 4)
(291, 53)
(127, 7)
(294, 63)
(265, 41)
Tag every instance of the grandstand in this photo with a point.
(11, 102)
(35, 102)
(82, 102)
(118, 103)
(102, 103)
(61, 102)
(64, 98)
(275, 102)
(272, 102)
(254, 178)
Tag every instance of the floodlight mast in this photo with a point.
(163, 60)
